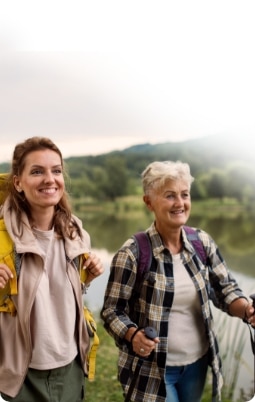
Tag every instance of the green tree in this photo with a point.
(198, 190)
(116, 180)
(241, 181)
(216, 184)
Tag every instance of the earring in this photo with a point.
(19, 189)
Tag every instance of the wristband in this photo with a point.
(134, 333)
(245, 319)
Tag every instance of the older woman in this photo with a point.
(173, 299)
(44, 343)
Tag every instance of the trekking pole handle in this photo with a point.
(151, 333)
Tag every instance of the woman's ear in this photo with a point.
(147, 201)
(17, 184)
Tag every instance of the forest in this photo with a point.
(222, 169)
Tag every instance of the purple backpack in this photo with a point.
(145, 253)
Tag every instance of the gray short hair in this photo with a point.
(157, 173)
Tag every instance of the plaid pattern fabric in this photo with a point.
(150, 305)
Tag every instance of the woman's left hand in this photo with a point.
(94, 267)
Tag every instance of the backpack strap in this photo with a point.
(145, 255)
(3, 187)
(9, 257)
(144, 250)
(88, 317)
(192, 236)
(94, 342)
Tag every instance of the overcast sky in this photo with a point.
(102, 75)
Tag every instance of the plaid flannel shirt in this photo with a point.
(151, 305)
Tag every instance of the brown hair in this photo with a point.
(64, 224)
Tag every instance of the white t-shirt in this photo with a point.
(187, 340)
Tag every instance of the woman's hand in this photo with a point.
(5, 275)
(141, 345)
(249, 314)
(244, 309)
(93, 266)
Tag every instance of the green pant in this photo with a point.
(64, 384)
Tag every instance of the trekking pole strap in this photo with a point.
(252, 340)
(134, 379)
(252, 296)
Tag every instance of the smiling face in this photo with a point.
(41, 180)
(170, 203)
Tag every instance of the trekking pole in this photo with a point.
(253, 340)
(151, 334)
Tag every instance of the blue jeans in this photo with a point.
(186, 383)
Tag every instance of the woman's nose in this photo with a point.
(178, 200)
(49, 177)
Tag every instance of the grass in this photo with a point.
(105, 387)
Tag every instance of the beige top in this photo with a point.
(54, 310)
(187, 341)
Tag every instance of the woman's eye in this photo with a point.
(36, 172)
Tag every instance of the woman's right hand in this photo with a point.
(5, 275)
(141, 345)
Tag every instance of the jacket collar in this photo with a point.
(27, 242)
